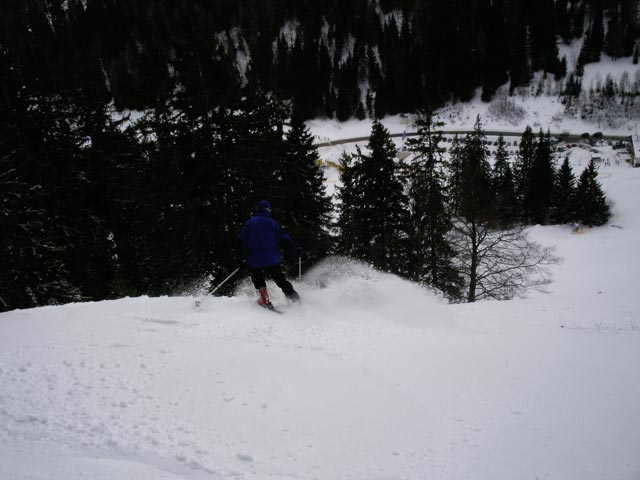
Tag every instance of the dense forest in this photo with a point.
(331, 58)
(457, 222)
(96, 205)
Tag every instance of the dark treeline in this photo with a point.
(93, 209)
(330, 57)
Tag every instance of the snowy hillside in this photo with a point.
(370, 377)
(544, 112)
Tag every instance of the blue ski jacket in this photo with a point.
(260, 240)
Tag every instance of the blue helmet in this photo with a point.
(263, 206)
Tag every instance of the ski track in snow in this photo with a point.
(131, 383)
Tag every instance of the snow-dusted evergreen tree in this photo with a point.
(454, 187)
(303, 207)
(522, 173)
(563, 202)
(594, 38)
(63, 171)
(592, 207)
(373, 211)
(541, 180)
(503, 186)
(347, 241)
(430, 258)
(196, 192)
(36, 239)
(562, 20)
(64, 236)
(105, 260)
(249, 136)
(474, 181)
(170, 210)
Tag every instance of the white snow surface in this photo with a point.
(369, 377)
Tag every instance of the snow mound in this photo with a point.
(340, 289)
(345, 284)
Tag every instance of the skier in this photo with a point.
(260, 241)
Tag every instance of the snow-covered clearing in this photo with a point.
(370, 377)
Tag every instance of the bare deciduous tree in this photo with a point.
(500, 264)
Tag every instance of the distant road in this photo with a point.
(571, 137)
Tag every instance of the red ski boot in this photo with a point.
(264, 300)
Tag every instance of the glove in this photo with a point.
(242, 263)
(296, 252)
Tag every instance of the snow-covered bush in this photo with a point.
(503, 107)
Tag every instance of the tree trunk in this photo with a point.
(473, 271)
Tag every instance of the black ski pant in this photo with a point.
(275, 272)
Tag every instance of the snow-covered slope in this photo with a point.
(370, 377)
(541, 110)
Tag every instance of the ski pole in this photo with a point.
(225, 281)
(299, 267)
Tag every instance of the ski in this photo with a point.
(269, 306)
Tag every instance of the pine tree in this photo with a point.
(629, 26)
(597, 30)
(44, 187)
(503, 186)
(373, 209)
(475, 200)
(71, 238)
(304, 209)
(348, 91)
(349, 220)
(541, 181)
(563, 24)
(577, 18)
(495, 61)
(431, 255)
(252, 130)
(544, 51)
(456, 160)
(573, 86)
(104, 264)
(522, 174)
(306, 92)
(594, 38)
(519, 55)
(191, 207)
(34, 245)
(614, 39)
(563, 204)
(166, 223)
(592, 207)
